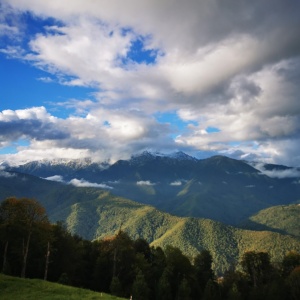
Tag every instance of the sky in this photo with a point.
(107, 79)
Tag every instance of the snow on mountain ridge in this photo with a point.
(182, 156)
(71, 163)
(174, 155)
(87, 161)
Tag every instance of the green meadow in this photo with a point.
(12, 288)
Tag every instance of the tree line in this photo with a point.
(33, 247)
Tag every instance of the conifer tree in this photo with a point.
(115, 286)
(211, 291)
(140, 289)
(184, 290)
(164, 286)
(203, 268)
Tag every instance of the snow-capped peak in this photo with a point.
(178, 155)
(181, 156)
(70, 163)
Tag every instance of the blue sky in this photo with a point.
(88, 79)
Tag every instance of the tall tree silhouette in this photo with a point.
(24, 216)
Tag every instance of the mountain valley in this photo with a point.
(201, 200)
(218, 188)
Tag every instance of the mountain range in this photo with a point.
(220, 204)
(218, 188)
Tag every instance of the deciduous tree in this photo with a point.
(290, 262)
(23, 217)
(203, 268)
(257, 267)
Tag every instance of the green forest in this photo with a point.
(33, 247)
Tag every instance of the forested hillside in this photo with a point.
(107, 214)
(283, 219)
(32, 247)
(94, 213)
(218, 188)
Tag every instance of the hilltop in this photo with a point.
(283, 219)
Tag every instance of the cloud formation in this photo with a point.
(278, 173)
(6, 174)
(57, 178)
(145, 182)
(84, 183)
(78, 182)
(230, 66)
(176, 183)
(34, 123)
(102, 134)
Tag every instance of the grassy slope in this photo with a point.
(23, 289)
(283, 219)
(107, 214)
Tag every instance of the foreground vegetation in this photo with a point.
(32, 247)
(22, 289)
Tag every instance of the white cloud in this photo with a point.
(44, 150)
(84, 183)
(57, 178)
(9, 23)
(102, 134)
(88, 50)
(6, 174)
(23, 114)
(145, 182)
(8, 30)
(176, 183)
(262, 108)
(278, 173)
(46, 79)
(34, 123)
